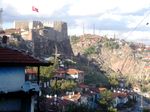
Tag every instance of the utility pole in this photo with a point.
(83, 28)
(1, 22)
(93, 29)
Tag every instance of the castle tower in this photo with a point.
(61, 29)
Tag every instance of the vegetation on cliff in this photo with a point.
(110, 56)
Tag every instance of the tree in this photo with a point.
(69, 62)
(48, 72)
(105, 100)
(111, 44)
(90, 50)
(113, 80)
(111, 109)
(79, 108)
(63, 85)
(75, 39)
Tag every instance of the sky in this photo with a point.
(126, 19)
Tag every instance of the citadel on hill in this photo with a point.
(41, 37)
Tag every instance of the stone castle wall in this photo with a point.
(61, 30)
(26, 25)
(21, 25)
(44, 38)
(58, 32)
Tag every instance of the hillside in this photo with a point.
(111, 55)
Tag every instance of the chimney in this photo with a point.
(69, 95)
(4, 39)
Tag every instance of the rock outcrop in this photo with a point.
(123, 60)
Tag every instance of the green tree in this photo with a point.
(69, 62)
(79, 108)
(111, 109)
(75, 39)
(105, 100)
(113, 80)
(62, 85)
(111, 44)
(48, 72)
(90, 50)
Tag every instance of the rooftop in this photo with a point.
(73, 71)
(121, 94)
(31, 72)
(14, 57)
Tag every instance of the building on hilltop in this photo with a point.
(61, 28)
(48, 24)
(56, 30)
(26, 25)
(43, 37)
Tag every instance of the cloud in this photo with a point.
(107, 16)
(90, 7)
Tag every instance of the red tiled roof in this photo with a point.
(73, 71)
(11, 57)
(31, 72)
(73, 98)
(147, 67)
(82, 85)
(102, 89)
(114, 95)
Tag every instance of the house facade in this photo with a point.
(17, 94)
(75, 74)
(119, 98)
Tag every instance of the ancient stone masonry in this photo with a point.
(45, 38)
(61, 30)
(26, 25)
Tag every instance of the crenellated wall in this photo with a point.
(46, 38)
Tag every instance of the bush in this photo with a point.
(111, 44)
(90, 50)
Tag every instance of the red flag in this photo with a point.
(35, 9)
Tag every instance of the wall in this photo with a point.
(61, 30)
(45, 38)
(10, 104)
(26, 25)
(21, 24)
(11, 78)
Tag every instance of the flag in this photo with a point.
(35, 9)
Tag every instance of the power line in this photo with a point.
(138, 25)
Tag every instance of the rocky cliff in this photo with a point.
(113, 54)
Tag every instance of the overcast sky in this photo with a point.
(126, 19)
